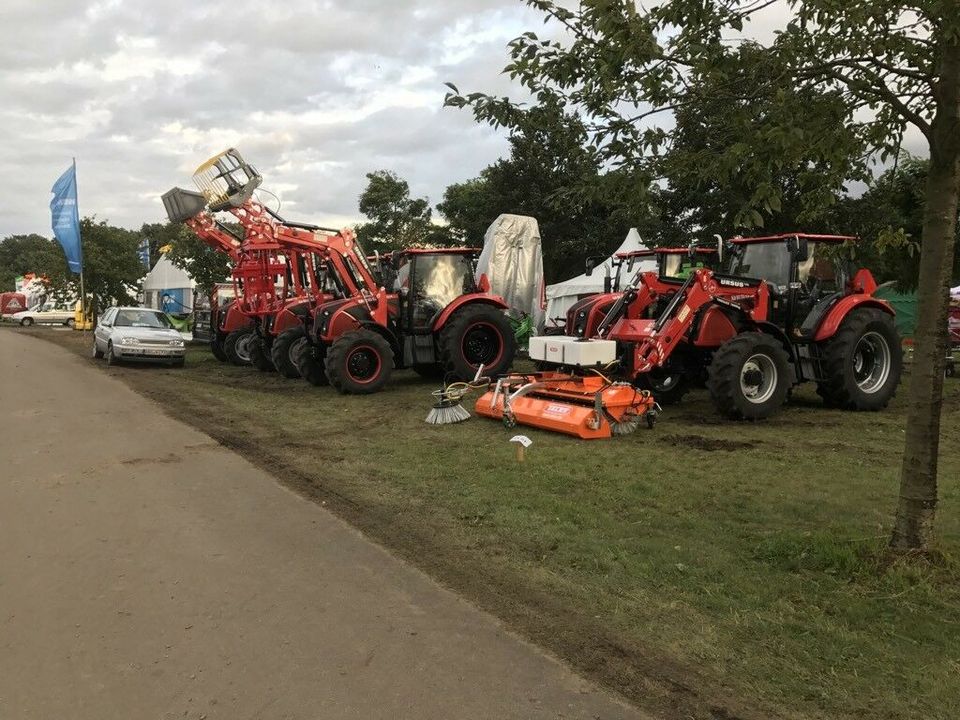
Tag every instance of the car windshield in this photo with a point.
(142, 319)
(768, 261)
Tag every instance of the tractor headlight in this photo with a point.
(129, 341)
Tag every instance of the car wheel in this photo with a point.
(27, 322)
(71, 323)
(111, 358)
(97, 352)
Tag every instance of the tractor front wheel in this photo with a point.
(280, 351)
(862, 362)
(260, 353)
(749, 377)
(477, 335)
(668, 384)
(359, 362)
(309, 359)
(236, 346)
(216, 347)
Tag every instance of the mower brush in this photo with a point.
(447, 409)
(585, 406)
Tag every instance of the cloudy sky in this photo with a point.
(316, 93)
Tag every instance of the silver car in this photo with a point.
(138, 334)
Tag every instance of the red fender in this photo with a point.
(284, 320)
(450, 309)
(235, 319)
(831, 323)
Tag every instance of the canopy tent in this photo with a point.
(166, 287)
(561, 296)
(512, 264)
(955, 292)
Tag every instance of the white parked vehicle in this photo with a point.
(138, 334)
(47, 314)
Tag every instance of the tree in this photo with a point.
(396, 220)
(21, 254)
(893, 64)
(205, 265)
(553, 175)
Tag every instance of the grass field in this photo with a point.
(704, 569)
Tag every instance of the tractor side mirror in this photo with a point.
(719, 248)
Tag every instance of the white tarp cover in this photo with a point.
(561, 296)
(513, 265)
(955, 292)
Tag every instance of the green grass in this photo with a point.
(704, 569)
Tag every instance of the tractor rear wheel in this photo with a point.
(476, 335)
(749, 376)
(236, 346)
(309, 359)
(216, 347)
(862, 362)
(668, 384)
(280, 351)
(359, 362)
(260, 354)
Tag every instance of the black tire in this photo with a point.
(310, 361)
(71, 323)
(359, 362)
(433, 371)
(476, 334)
(862, 362)
(216, 347)
(111, 358)
(280, 351)
(97, 353)
(27, 322)
(236, 345)
(668, 384)
(260, 354)
(749, 377)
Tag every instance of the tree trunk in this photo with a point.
(918, 477)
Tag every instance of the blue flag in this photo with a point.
(144, 252)
(66, 217)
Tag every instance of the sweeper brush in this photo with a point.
(585, 406)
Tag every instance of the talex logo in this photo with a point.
(557, 409)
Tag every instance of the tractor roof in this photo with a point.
(650, 252)
(784, 236)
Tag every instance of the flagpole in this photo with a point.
(83, 294)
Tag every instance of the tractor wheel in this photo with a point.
(260, 354)
(861, 364)
(668, 384)
(477, 335)
(749, 376)
(237, 346)
(280, 351)
(309, 359)
(216, 347)
(359, 362)
(431, 371)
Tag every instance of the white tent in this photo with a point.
(512, 264)
(562, 295)
(166, 287)
(955, 292)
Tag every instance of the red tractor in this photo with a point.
(785, 311)
(438, 321)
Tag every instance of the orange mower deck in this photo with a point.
(589, 407)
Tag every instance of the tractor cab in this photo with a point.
(803, 273)
(428, 280)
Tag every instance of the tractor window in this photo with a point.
(818, 271)
(768, 261)
(679, 265)
(437, 281)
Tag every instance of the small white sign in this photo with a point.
(522, 439)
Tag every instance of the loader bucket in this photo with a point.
(588, 407)
(226, 180)
(181, 205)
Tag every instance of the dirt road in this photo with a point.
(147, 572)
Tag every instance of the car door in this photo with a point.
(102, 333)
